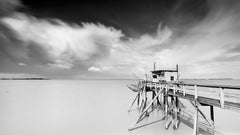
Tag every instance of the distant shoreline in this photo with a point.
(209, 79)
(24, 78)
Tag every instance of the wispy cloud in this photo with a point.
(53, 42)
(57, 44)
(199, 51)
(206, 49)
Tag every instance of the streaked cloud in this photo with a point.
(56, 43)
(206, 49)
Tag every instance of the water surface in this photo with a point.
(82, 107)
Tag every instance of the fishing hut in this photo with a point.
(166, 94)
(164, 75)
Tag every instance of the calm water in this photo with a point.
(83, 107)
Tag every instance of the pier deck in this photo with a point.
(223, 96)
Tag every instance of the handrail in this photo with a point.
(201, 85)
(208, 85)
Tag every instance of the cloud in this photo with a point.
(57, 44)
(94, 69)
(9, 6)
(21, 64)
(206, 50)
(54, 42)
(203, 49)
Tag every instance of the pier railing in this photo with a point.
(225, 94)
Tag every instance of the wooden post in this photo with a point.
(184, 90)
(212, 118)
(195, 92)
(144, 97)
(166, 100)
(222, 97)
(212, 113)
(177, 70)
(167, 121)
(156, 90)
(174, 90)
(176, 109)
(195, 126)
(138, 98)
(153, 95)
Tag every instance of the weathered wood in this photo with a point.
(195, 92)
(208, 85)
(212, 112)
(222, 97)
(187, 120)
(195, 126)
(184, 90)
(208, 101)
(212, 118)
(133, 102)
(144, 111)
(176, 111)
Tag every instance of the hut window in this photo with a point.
(172, 78)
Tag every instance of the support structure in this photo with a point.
(167, 95)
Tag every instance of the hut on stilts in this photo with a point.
(167, 91)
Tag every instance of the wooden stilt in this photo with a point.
(212, 113)
(176, 110)
(167, 122)
(195, 126)
(158, 101)
(133, 103)
(222, 97)
(153, 95)
(195, 92)
(144, 111)
(144, 98)
(138, 98)
(184, 91)
(212, 118)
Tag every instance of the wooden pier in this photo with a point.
(166, 96)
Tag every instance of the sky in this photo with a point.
(116, 39)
